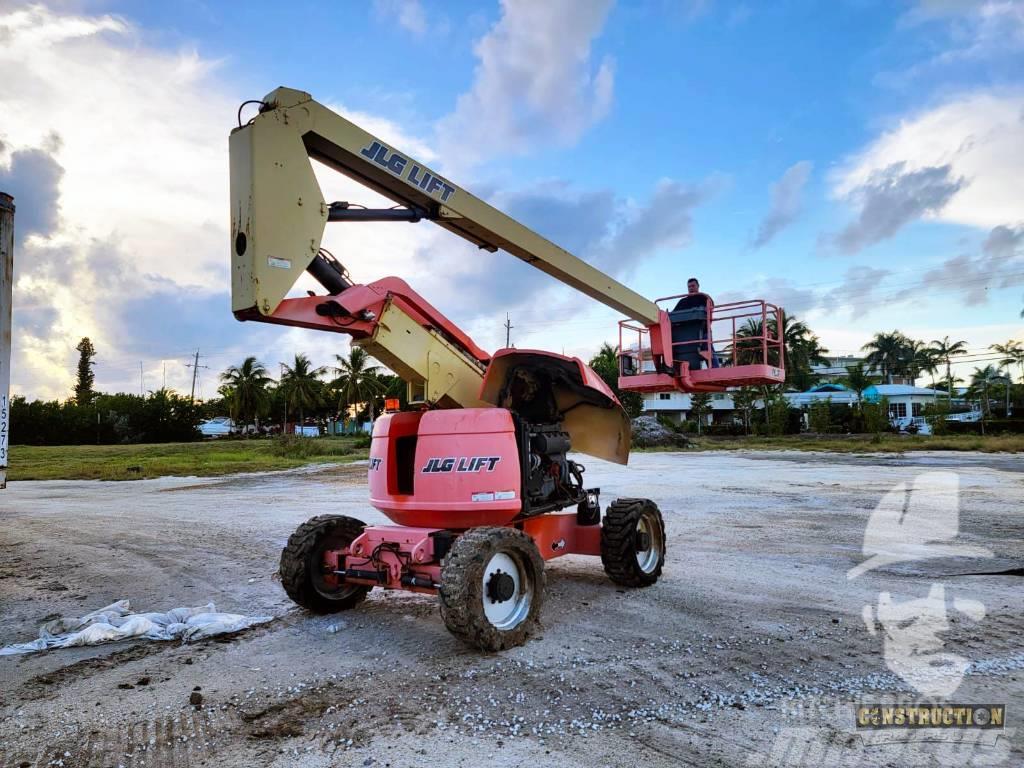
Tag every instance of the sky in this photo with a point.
(860, 162)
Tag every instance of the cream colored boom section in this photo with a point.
(279, 214)
(435, 370)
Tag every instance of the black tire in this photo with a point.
(622, 560)
(463, 593)
(301, 570)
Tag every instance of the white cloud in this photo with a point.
(118, 154)
(977, 30)
(785, 207)
(138, 136)
(892, 198)
(980, 136)
(408, 13)
(1000, 264)
(535, 80)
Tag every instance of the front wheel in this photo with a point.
(633, 542)
(492, 587)
(302, 564)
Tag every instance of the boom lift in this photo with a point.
(476, 473)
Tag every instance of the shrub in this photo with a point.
(295, 447)
(667, 423)
(935, 414)
(725, 430)
(819, 416)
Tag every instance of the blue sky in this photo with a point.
(860, 162)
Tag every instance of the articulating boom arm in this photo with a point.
(279, 213)
(278, 216)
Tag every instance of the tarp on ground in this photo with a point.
(117, 622)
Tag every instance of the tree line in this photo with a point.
(355, 387)
(247, 393)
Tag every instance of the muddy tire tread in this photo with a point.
(618, 552)
(295, 569)
(461, 593)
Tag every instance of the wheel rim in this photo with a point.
(320, 585)
(650, 532)
(506, 605)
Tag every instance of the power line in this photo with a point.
(893, 291)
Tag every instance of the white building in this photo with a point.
(836, 393)
(677, 405)
(906, 403)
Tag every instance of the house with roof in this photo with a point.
(676, 406)
(906, 403)
(836, 393)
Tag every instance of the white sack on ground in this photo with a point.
(117, 622)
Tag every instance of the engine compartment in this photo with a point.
(551, 480)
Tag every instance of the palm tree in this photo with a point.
(301, 384)
(945, 350)
(924, 360)
(744, 400)
(981, 380)
(245, 388)
(1012, 352)
(920, 358)
(357, 381)
(858, 380)
(887, 353)
(801, 349)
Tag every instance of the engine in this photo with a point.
(549, 477)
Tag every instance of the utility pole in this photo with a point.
(195, 366)
(6, 299)
(142, 381)
(508, 330)
(284, 424)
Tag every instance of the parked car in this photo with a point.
(221, 426)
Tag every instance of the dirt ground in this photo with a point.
(751, 650)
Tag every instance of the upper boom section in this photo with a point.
(279, 213)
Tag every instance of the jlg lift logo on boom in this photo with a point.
(462, 464)
(417, 176)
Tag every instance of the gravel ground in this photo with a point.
(751, 650)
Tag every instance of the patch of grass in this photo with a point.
(866, 443)
(295, 447)
(205, 459)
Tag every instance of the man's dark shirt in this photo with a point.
(691, 300)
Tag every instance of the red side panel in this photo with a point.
(455, 468)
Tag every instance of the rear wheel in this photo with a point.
(492, 587)
(302, 569)
(633, 542)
